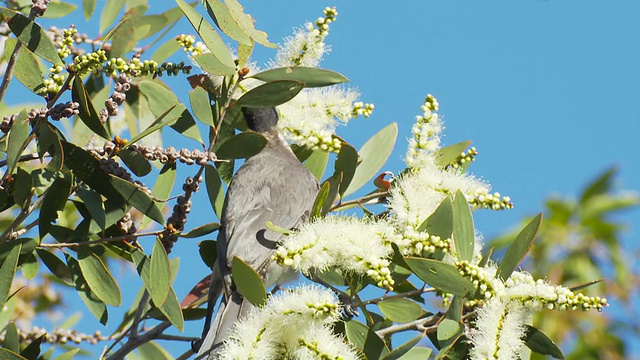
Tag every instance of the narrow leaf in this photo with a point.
(11, 338)
(270, 94)
(208, 34)
(88, 6)
(243, 145)
(346, 163)
(208, 252)
(463, 231)
(27, 69)
(374, 153)
(248, 281)
(366, 340)
(98, 277)
(7, 272)
(29, 267)
(201, 230)
(87, 113)
(32, 36)
(449, 154)
(163, 186)
(400, 310)
(316, 163)
(68, 355)
(160, 274)
(18, 140)
(54, 200)
(539, 342)
(201, 106)
(245, 22)
(171, 309)
(93, 201)
(96, 306)
(58, 9)
(137, 198)
(162, 121)
(56, 266)
(110, 13)
(440, 223)
(214, 189)
(310, 77)
(135, 161)
(221, 15)
(400, 351)
(6, 354)
(519, 248)
(442, 276)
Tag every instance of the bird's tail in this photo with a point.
(232, 308)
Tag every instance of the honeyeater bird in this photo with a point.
(270, 186)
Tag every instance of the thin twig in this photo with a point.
(419, 324)
(101, 241)
(399, 296)
(358, 201)
(132, 344)
(27, 157)
(177, 338)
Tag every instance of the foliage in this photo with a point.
(80, 208)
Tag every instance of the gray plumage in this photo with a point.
(270, 186)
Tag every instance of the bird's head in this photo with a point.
(260, 119)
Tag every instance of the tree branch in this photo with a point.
(423, 325)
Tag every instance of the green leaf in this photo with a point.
(93, 201)
(56, 266)
(31, 36)
(519, 248)
(316, 163)
(7, 272)
(165, 50)
(374, 153)
(539, 342)
(137, 198)
(270, 94)
(162, 99)
(54, 201)
(58, 9)
(162, 121)
(96, 306)
(135, 161)
(366, 340)
(23, 186)
(87, 113)
(98, 277)
(32, 351)
(400, 351)
(446, 156)
(346, 164)
(243, 145)
(30, 267)
(248, 282)
(208, 252)
(18, 140)
(310, 77)
(214, 189)
(442, 276)
(6, 354)
(321, 198)
(68, 355)
(600, 185)
(244, 53)
(163, 186)
(400, 310)
(440, 223)
(151, 350)
(110, 13)
(129, 31)
(209, 36)
(221, 15)
(211, 65)
(88, 6)
(417, 353)
(201, 106)
(160, 274)
(171, 309)
(201, 230)
(463, 231)
(245, 22)
(27, 69)
(447, 329)
(11, 338)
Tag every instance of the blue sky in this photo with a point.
(547, 91)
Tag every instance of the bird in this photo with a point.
(270, 186)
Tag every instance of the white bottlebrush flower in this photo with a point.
(417, 194)
(294, 322)
(498, 330)
(426, 135)
(304, 48)
(311, 118)
(351, 244)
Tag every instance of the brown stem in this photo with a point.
(424, 325)
(358, 201)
